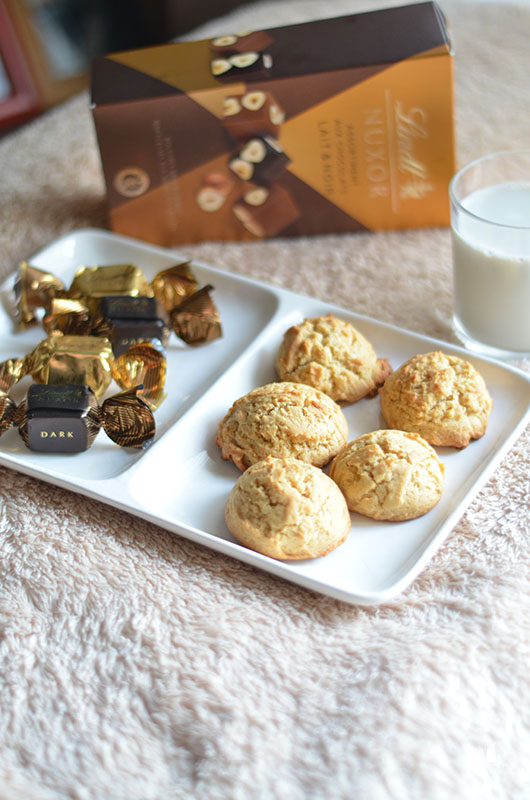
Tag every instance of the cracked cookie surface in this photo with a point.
(441, 397)
(287, 509)
(389, 475)
(333, 356)
(283, 420)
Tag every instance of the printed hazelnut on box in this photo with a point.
(357, 136)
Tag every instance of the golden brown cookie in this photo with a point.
(288, 509)
(389, 475)
(440, 396)
(285, 420)
(331, 355)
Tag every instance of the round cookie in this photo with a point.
(440, 396)
(331, 355)
(285, 420)
(389, 475)
(288, 509)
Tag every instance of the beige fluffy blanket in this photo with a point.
(136, 665)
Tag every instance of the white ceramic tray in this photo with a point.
(181, 483)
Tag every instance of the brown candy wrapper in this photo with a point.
(196, 320)
(8, 411)
(67, 419)
(127, 419)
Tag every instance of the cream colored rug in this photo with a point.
(136, 665)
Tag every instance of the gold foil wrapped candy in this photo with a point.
(34, 289)
(92, 283)
(72, 360)
(79, 360)
(142, 364)
(11, 371)
(90, 308)
(173, 285)
(69, 317)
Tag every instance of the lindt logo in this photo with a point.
(406, 127)
(411, 125)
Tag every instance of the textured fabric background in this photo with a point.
(138, 666)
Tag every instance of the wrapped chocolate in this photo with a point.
(67, 418)
(34, 289)
(90, 284)
(72, 360)
(145, 365)
(173, 285)
(196, 319)
(133, 320)
(115, 302)
(69, 317)
(80, 360)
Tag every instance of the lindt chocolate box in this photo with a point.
(335, 125)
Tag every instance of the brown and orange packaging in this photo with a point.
(335, 125)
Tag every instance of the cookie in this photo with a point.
(285, 420)
(440, 396)
(287, 509)
(331, 355)
(389, 475)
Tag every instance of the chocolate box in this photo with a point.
(334, 125)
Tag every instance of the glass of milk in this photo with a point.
(490, 223)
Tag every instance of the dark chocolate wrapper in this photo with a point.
(59, 419)
(133, 320)
(67, 419)
(197, 320)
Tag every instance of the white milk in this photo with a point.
(492, 266)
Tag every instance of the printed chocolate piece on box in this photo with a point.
(260, 160)
(253, 113)
(237, 67)
(265, 211)
(241, 42)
